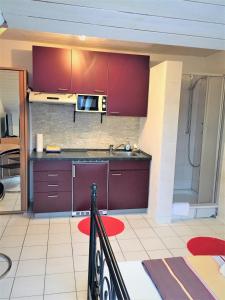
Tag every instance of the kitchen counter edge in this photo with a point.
(85, 155)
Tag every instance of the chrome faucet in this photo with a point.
(112, 149)
(117, 147)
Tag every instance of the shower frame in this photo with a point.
(219, 149)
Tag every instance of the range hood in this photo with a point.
(52, 98)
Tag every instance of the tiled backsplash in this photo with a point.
(55, 122)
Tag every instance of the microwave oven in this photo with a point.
(91, 103)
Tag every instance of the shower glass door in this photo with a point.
(199, 139)
(211, 139)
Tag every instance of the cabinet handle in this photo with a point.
(62, 89)
(53, 196)
(99, 91)
(51, 185)
(52, 175)
(74, 171)
(117, 174)
(114, 112)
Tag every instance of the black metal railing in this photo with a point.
(104, 278)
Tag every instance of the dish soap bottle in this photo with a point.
(127, 146)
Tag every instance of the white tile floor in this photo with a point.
(11, 202)
(50, 256)
(12, 198)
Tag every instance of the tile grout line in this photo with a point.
(161, 238)
(151, 227)
(46, 256)
(120, 248)
(73, 258)
(5, 228)
(14, 278)
(140, 239)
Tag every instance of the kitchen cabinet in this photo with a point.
(123, 77)
(60, 185)
(128, 81)
(52, 186)
(84, 174)
(128, 184)
(52, 69)
(89, 72)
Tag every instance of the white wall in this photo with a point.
(170, 22)
(158, 136)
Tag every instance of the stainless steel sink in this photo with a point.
(124, 154)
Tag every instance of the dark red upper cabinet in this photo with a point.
(52, 69)
(128, 85)
(89, 72)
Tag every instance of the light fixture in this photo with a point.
(3, 23)
(82, 37)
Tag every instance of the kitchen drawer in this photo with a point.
(53, 186)
(129, 165)
(52, 202)
(53, 176)
(55, 165)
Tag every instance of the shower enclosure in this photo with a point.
(199, 140)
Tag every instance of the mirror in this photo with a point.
(10, 191)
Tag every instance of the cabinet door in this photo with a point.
(51, 69)
(85, 175)
(52, 202)
(128, 85)
(128, 189)
(90, 72)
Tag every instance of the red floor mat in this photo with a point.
(112, 225)
(206, 246)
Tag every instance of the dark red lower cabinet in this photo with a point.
(52, 202)
(52, 186)
(128, 189)
(120, 185)
(84, 175)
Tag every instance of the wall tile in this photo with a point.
(55, 122)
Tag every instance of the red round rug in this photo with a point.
(206, 246)
(112, 225)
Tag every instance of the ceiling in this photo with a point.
(104, 44)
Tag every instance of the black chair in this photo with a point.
(2, 191)
(14, 156)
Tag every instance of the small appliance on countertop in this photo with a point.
(52, 149)
(39, 142)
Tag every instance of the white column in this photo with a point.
(158, 136)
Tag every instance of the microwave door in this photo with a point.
(80, 103)
(88, 103)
